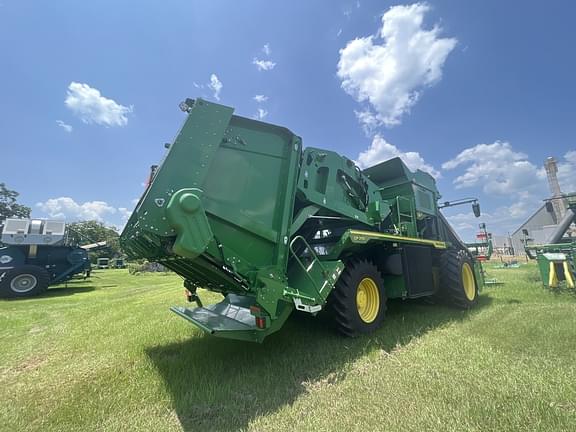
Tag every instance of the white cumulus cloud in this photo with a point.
(260, 98)
(91, 107)
(388, 71)
(67, 208)
(497, 168)
(64, 126)
(462, 222)
(125, 213)
(216, 86)
(263, 65)
(380, 150)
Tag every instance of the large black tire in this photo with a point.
(357, 304)
(24, 281)
(458, 286)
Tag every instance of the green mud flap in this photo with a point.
(231, 319)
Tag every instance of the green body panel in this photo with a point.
(544, 269)
(479, 274)
(336, 186)
(237, 206)
(395, 286)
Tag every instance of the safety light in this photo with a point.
(260, 322)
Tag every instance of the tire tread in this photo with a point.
(451, 287)
(341, 303)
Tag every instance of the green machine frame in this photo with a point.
(238, 207)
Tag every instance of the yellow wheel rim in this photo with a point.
(468, 282)
(367, 300)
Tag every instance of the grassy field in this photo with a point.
(107, 354)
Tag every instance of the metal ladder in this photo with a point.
(314, 268)
(405, 220)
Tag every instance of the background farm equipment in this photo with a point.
(118, 263)
(557, 265)
(238, 207)
(557, 258)
(481, 249)
(37, 254)
(102, 263)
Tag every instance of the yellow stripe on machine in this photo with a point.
(358, 236)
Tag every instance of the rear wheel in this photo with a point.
(358, 303)
(24, 281)
(457, 281)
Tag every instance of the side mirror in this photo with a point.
(476, 209)
(525, 232)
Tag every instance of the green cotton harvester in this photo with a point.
(239, 207)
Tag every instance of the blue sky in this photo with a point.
(478, 93)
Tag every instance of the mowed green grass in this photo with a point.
(107, 354)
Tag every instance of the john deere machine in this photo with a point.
(239, 207)
(38, 254)
(557, 257)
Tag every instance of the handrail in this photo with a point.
(315, 261)
(404, 217)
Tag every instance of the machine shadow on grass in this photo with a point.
(71, 287)
(75, 286)
(66, 290)
(219, 384)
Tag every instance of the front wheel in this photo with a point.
(24, 281)
(358, 303)
(458, 285)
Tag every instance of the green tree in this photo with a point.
(85, 232)
(8, 205)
